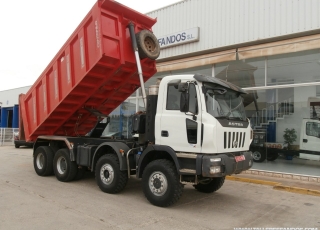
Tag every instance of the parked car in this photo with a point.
(18, 142)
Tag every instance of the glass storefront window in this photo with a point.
(294, 68)
(242, 73)
(285, 132)
(283, 118)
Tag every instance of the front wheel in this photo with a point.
(210, 186)
(109, 177)
(161, 184)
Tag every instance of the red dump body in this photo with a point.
(95, 68)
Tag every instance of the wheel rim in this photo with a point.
(62, 165)
(149, 44)
(107, 174)
(158, 183)
(256, 155)
(40, 161)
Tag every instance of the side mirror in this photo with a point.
(184, 102)
(183, 87)
(219, 91)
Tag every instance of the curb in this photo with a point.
(291, 176)
(253, 181)
(297, 190)
(276, 186)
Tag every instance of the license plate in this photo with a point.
(239, 158)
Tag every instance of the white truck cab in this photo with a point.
(215, 122)
(310, 140)
(199, 122)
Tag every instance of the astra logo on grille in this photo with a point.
(235, 124)
(235, 144)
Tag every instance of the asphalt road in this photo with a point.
(28, 201)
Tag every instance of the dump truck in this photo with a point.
(193, 131)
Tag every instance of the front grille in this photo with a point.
(234, 140)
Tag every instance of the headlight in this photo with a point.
(215, 169)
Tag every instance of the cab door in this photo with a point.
(179, 130)
(310, 140)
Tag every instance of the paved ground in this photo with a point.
(28, 201)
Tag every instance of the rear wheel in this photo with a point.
(64, 169)
(17, 146)
(148, 45)
(43, 161)
(109, 177)
(161, 184)
(259, 155)
(211, 185)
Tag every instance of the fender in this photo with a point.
(157, 148)
(116, 146)
(44, 141)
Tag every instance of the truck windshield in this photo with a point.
(223, 103)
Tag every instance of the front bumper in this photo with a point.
(226, 163)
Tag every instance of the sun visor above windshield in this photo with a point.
(228, 85)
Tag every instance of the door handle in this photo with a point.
(164, 133)
(305, 140)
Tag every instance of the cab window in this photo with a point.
(173, 98)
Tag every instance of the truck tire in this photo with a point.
(272, 156)
(43, 161)
(109, 177)
(148, 45)
(259, 155)
(211, 186)
(64, 169)
(17, 146)
(161, 184)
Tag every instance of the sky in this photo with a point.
(33, 31)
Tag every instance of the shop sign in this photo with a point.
(179, 38)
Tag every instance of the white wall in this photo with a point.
(9, 98)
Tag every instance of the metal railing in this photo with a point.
(7, 136)
(272, 113)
